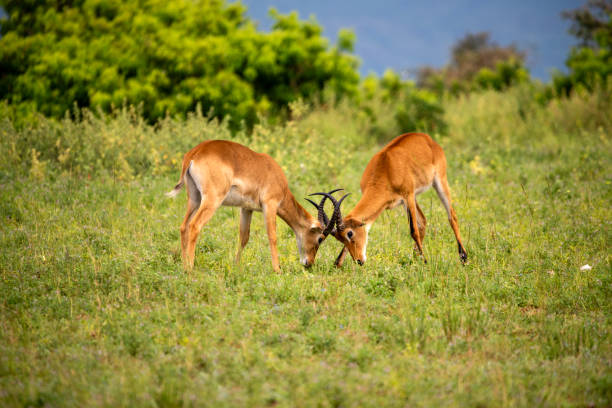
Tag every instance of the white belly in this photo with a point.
(234, 198)
(422, 189)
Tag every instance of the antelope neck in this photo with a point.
(294, 214)
(369, 207)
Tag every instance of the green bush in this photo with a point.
(589, 63)
(394, 106)
(588, 69)
(122, 145)
(420, 110)
(168, 57)
(506, 74)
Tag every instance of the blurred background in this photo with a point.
(244, 61)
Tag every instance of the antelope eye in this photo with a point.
(320, 239)
(349, 234)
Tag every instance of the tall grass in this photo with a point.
(96, 310)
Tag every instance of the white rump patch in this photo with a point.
(195, 176)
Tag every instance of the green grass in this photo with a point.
(96, 310)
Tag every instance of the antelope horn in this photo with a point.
(329, 224)
(321, 212)
(337, 216)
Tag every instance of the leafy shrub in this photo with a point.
(169, 57)
(589, 63)
(119, 145)
(123, 145)
(420, 110)
(506, 74)
(394, 106)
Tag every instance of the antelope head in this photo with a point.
(350, 232)
(316, 234)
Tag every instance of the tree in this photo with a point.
(589, 63)
(589, 21)
(477, 51)
(168, 57)
(476, 62)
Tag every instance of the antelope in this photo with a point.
(220, 172)
(407, 166)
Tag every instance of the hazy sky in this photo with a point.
(407, 34)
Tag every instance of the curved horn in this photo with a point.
(333, 191)
(337, 216)
(321, 212)
(329, 224)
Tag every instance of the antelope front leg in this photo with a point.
(341, 256)
(270, 219)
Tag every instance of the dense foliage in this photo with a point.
(167, 56)
(406, 107)
(589, 63)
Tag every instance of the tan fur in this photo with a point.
(219, 172)
(404, 168)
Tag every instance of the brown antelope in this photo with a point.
(219, 172)
(404, 168)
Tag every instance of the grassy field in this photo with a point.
(96, 310)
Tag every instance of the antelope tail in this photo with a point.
(181, 182)
(176, 189)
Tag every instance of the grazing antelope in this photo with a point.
(219, 172)
(404, 168)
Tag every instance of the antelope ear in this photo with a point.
(316, 229)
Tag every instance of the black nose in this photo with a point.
(360, 262)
